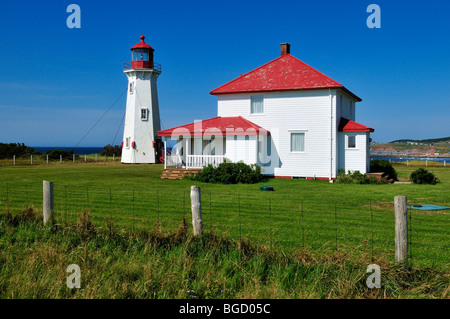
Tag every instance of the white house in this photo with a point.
(284, 116)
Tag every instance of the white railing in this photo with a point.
(199, 161)
(174, 160)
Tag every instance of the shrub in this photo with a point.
(55, 154)
(422, 176)
(109, 150)
(378, 166)
(230, 173)
(11, 149)
(357, 177)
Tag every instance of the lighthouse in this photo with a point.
(140, 142)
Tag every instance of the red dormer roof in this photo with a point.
(142, 45)
(285, 73)
(236, 125)
(351, 126)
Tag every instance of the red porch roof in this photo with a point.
(350, 126)
(236, 125)
(282, 74)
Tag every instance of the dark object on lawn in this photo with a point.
(266, 188)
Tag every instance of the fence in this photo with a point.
(44, 159)
(265, 218)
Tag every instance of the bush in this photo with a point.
(230, 173)
(109, 150)
(378, 166)
(422, 176)
(357, 177)
(55, 154)
(11, 149)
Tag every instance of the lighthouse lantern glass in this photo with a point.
(140, 55)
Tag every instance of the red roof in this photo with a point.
(236, 125)
(142, 45)
(282, 74)
(351, 126)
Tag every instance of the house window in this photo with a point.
(127, 142)
(144, 114)
(351, 141)
(131, 88)
(297, 142)
(209, 146)
(257, 105)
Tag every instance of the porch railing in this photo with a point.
(199, 161)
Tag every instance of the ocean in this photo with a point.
(409, 158)
(77, 151)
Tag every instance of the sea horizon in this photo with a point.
(84, 150)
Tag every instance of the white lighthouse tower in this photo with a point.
(140, 143)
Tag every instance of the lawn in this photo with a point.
(299, 214)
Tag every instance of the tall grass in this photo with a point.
(124, 263)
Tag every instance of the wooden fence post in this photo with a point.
(60, 158)
(48, 202)
(401, 230)
(196, 207)
(14, 159)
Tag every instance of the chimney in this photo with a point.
(285, 48)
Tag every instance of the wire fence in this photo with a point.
(43, 159)
(275, 221)
(79, 158)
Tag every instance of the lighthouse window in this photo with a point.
(144, 113)
(127, 142)
(131, 88)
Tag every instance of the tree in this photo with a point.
(17, 149)
(109, 150)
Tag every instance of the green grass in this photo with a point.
(118, 263)
(312, 215)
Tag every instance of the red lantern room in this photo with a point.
(142, 55)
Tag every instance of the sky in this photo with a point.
(56, 82)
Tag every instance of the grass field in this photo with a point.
(116, 263)
(313, 215)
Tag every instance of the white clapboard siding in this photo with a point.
(307, 111)
(240, 149)
(356, 159)
(345, 107)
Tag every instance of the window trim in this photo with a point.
(251, 102)
(146, 114)
(127, 142)
(131, 88)
(304, 132)
(347, 144)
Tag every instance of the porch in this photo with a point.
(194, 153)
(211, 141)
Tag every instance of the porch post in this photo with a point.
(165, 152)
(187, 150)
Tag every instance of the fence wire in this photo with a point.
(267, 219)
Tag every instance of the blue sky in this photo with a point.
(56, 82)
